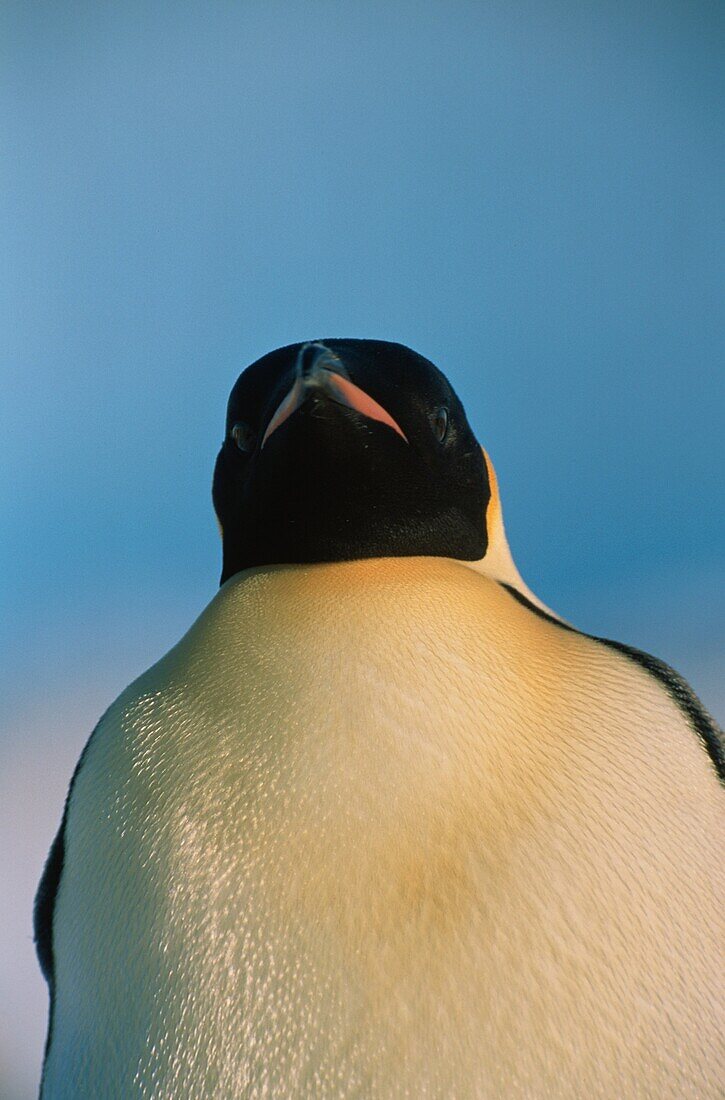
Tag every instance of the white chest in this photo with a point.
(372, 834)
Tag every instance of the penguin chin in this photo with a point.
(330, 486)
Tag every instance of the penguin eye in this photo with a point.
(244, 436)
(440, 423)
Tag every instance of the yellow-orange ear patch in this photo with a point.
(493, 511)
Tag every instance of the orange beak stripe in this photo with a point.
(338, 389)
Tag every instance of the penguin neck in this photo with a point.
(498, 562)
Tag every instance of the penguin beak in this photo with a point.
(319, 370)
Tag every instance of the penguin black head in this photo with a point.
(344, 449)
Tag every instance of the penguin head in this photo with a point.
(343, 449)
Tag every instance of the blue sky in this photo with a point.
(526, 193)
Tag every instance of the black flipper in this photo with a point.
(49, 884)
(45, 904)
(44, 907)
(43, 911)
(677, 688)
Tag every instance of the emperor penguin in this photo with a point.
(381, 824)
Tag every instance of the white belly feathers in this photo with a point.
(374, 829)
